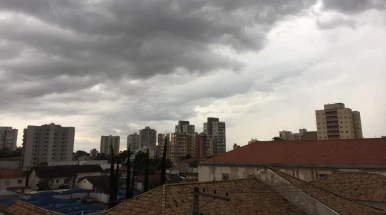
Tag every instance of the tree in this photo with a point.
(163, 169)
(193, 164)
(113, 195)
(128, 167)
(44, 184)
(101, 157)
(80, 153)
(146, 180)
(133, 177)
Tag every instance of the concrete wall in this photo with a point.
(205, 173)
(11, 182)
(296, 196)
(100, 197)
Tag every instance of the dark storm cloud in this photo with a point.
(354, 6)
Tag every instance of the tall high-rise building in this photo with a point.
(338, 122)
(216, 131)
(184, 127)
(47, 143)
(133, 141)
(107, 141)
(161, 144)
(147, 138)
(8, 138)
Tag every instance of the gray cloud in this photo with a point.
(354, 6)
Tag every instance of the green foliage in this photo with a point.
(80, 153)
(193, 164)
(44, 184)
(101, 157)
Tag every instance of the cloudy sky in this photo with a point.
(115, 66)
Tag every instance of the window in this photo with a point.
(19, 181)
(225, 176)
(57, 180)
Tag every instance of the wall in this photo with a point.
(11, 182)
(85, 184)
(296, 196)
(81, 175)
(100, 197)
(205, 173)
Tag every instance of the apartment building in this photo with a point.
(302, 135)
(147, 138)
(184, 127)
(107, 141)
(133, 141)
(8, 138)
(338, 122)
(286, 135)
(47, 143)
(161, 144)
(216, 132)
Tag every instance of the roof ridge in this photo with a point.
(207, 182)
(311, 185)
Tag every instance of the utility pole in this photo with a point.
(197, 193)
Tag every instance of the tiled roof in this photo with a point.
(356, 186)
(22, 208)
(11, 173)
(178, 167)
(349, 152)
(335, 202)
(244, 198)
(65, 171)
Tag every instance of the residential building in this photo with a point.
(47, 143)
(133, 141)
(8, 138)
(10, 163)
(307, 160)
(338, 122)
(217, 134)
(286, 135)
(96, 184)
(362, 187)
(148, 138)
(161, 144)
(302, 135)
(94, 153)
(184, 127)
(11, 178)
(61, 176)
(268, 192)
(107, 141)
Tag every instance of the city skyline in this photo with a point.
(108, 67)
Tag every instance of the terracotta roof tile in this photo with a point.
(11, 173)
(351, 152)
(22, 208)
(178, 199)
(335, 202)
(356, 186)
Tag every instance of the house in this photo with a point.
(268, 192)
(304, 159)
(12, 178)
(366, 188)
(97, 184)
(56, 177)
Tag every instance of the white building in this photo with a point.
(8, 138)
(47, 143)
(133, 141)
(106, 142)
(147, 138)
(11, 178)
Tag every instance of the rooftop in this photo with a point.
(65, 171)
(101, 183)
(356, 186)
(11, 173)
(22, 208)
(340, 152)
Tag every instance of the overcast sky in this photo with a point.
(116, 66)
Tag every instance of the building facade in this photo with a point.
(338, 122)
(216, 132)
(8, 138)
(184, 127)
(133, 141)
(47, 143)
(106, 142)
(147, 138)
(161, 144)
(286, 135)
